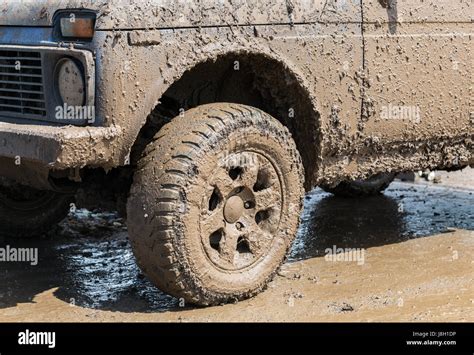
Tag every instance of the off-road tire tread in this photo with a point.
(175, 160)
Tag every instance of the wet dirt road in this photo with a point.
(411, 259)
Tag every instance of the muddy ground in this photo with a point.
(418, 265)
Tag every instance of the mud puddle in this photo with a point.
(86, 262)
(88, 257)
(403, 212)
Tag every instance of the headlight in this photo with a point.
(77, 24)
(70, 82)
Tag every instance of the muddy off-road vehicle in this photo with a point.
(205, 121)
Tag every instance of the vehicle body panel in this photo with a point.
(142, 48)
(418, 57)
(150, 14)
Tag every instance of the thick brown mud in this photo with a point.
(418, 244)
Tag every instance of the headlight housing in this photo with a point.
(75, 24)
(70, 82)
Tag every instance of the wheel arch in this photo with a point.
(261, 79)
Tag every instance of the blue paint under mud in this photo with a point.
(28, 36)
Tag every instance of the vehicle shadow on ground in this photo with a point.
(349, 223)
(93, 265)
(404, 212)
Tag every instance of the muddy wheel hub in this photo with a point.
(233, 209)
(241, 212)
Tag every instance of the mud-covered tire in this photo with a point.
(359, 188)
(33, 215)
(198, 231)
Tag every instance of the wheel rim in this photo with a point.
(241, 211)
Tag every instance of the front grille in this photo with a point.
(21, 84)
